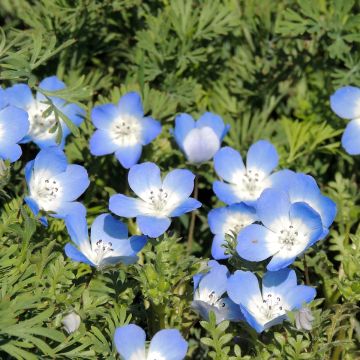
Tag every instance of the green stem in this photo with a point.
(193, 217)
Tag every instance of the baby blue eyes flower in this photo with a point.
(54, 185)
(20, 95)
(14, 125)
(109, 241)
(123, 129)
(209, 290)
(159, 200)
(345, 103)
(202, 139)
(167, 344)
(227, 221)
(287, 231)
(244, 184)
(280, 293)
(303, 188)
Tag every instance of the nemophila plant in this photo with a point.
(166, 344)
(244, 183)
(210, 294)
(201, 139)
(14, 125)
(46, 112)
(228, 220)
(54, 185)
(345, 102)
(267, 307)
(158, 200)
(123, 129)
(109, 241)
(287, 230)
(250, 71)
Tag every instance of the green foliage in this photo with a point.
(268, 68)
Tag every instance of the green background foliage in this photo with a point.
(268, 68)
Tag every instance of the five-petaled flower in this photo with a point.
(109, 241)
(199, 140)
(303, 188)
(244, 184)
(14, 125)
(209, 290)
(287, 231)
(167, 344)
(280, 293)
(42, 122)
(54, 185)
(345, 103)
(123, 129)
(228, 220)
(158, 201)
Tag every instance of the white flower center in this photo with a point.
(126, 130)
(272, 307)
(46, 191)
(236, 222)
(39, 125)
(155, 356)
(249, 184)
(101, 249)
(290, 237)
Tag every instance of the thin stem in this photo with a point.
(193, 216)
(306, 270)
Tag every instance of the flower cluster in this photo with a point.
(274, 215)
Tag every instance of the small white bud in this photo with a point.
(304, 319)
(71, 322)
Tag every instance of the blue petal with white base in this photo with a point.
(345, 102)
(130, 342)
(351, 137)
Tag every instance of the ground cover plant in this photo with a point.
(179, 179)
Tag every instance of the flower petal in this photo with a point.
(218, 249)
(130, 342)
(351, 137)
(225, 192)
(14, 125)
(128, 155)
(263, 156)
(103, 115)
(179, 183)
(77, 228)
(11, 152)
(125, 206)
(150, 130)
(152, 226)
(131, 104)
(74, 254)
(186, 206)
(227, 162)
(345, 102)
(52, 160)
(299, 295)
(102, 144)
(184, 123)
(279, 282)
(19, 95)
(168, 344)
(213, 283)
(212, 121)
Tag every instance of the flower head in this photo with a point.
(202, 139)
(244, 184)
(71, 322)
(167, 344)
(123, 129)
(54, 185)
(41, 123)
(14, 125)
(345, 103)
(287, 231)
(158, 201)
(226, 221)
(303, 188)
(109, 241)
(209, 290)
(280, 293)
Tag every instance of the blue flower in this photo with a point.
(167, 344)
(20, 95)
(202, 139)
(209, 290)
(109, 241)
(280, 293)
(244, 184)
(345, 103)
(14, 125)
(123, 129)
(303, 188)
(54, 185)
(287, 231)
(158, 201)
(226, 221)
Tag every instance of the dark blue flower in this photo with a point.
(123, 129)
(159, 200)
